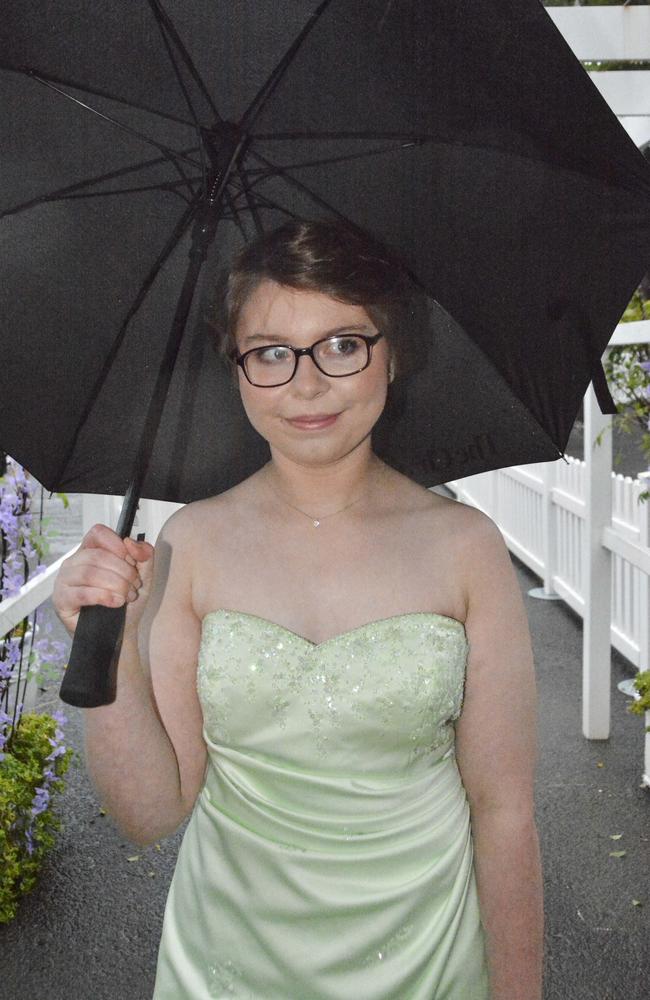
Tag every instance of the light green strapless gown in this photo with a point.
(329, 852)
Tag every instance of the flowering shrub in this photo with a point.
(33, 757)
(33, 760)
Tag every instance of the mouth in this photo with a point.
(313, 422)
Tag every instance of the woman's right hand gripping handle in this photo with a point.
(107, 570)
(109, 579)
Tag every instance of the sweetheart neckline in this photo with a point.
(341, 635)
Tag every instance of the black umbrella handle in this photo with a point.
(90, 678)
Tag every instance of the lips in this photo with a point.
(313, 421)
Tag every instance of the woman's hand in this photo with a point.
(108, 570)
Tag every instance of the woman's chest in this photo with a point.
(325, 589)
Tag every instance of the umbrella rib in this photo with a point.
(165, 23)
(399, 136)
(326, 161)
(170, 154)
(172, 242)
(260, 201)
(266, 202)
(171, 186)
(266, 90)
(63, 193)
(280, 172)
(246, 190)
(95, 91)
(544, 155)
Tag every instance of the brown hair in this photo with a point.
(337, 259)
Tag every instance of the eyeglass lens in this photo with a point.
(335, 356)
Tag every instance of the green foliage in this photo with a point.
(593, 3)
(638, 308)
(627, 369)
(21, 775)
(642, 704)
(608, 65)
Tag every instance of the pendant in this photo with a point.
(316, 523)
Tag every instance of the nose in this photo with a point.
(309, 379)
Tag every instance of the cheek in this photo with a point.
(258, 404)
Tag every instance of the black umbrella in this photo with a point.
(467, 136)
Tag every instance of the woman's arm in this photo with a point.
(496, 742)
(144, 752)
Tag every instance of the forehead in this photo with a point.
(278, 311)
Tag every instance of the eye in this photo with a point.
(273, 355)
(342, 346)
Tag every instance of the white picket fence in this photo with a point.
(602, 33)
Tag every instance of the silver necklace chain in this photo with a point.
(315, 520)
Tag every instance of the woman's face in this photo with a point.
(277, 314)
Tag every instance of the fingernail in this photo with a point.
(132, 594)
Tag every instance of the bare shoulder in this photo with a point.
(483, 554)
(191, 524)
(448, 522)
(470, 548)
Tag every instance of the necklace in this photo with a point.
(315, 520)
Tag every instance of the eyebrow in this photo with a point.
(268, 338)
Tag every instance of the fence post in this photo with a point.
(644, 605)
(596, 634)
(549, 547)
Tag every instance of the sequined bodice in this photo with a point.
(384, 694)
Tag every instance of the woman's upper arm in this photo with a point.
(496, 733)
(168, 639)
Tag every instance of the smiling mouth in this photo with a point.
(315, 421)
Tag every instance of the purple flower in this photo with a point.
(12, 647)
(30, 842)
(40, 801)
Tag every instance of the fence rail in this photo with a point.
(613, 33)
(604, 33)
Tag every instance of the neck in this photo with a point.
(322, 488)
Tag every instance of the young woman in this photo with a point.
(329, 667)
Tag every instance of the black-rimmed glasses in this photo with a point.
(337, 357)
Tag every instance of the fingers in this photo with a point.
(101, 536)
(104, 570)
(110, 598)
(99, 568)
(140, 551)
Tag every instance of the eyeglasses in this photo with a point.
(337, 357)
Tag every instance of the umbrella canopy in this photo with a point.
(469, 138)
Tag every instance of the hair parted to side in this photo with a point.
(336, 259)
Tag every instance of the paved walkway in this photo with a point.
(90, 930)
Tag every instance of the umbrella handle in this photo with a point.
(90, 678)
